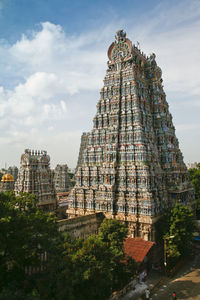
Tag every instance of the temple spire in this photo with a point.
(130, 165)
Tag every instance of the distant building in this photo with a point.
(61, 179)
(13, 171)
(7, 183)
(192, 165)
(35, 177)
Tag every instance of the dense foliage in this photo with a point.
(89, 269)
(26, 234)
(75, 268)
(194, 174)
(176, 228)
(181, 228)
(72, 178)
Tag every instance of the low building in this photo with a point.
(140, 250)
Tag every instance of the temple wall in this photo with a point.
(82, 227)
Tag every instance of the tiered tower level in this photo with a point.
(35, 177)
(13, 171)
(132, 167)
(62, 180)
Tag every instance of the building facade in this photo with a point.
(13, 171)
(61, 179)
(35, 177)
(132, 168)
(193, 165)
(83, 146)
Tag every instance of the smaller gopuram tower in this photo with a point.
(61, 179)
(131, 167)
(35, 177)
(83, 146)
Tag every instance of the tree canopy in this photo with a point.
(176, 227)
(37, 262)
(26, 235)
(194, 174)
(181, 228)
(90, 269)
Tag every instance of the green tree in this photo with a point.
(10, 294)
(72, 178)
(176, 228)
(89, 269)
(76, 269)
(60, 278)
(26, 235)
(93, 262)
(194, 175)
(113, 232)
(181, 228)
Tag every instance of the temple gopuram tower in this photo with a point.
(132, 168)
(61, 179)
(35, 177)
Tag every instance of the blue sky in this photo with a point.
(53, 56)
(74, 16)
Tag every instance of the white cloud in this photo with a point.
(63, 105)
(174, 36)
(34, 102)
(41, 46)
(51, 51)
(40, 85)
(50, 68)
